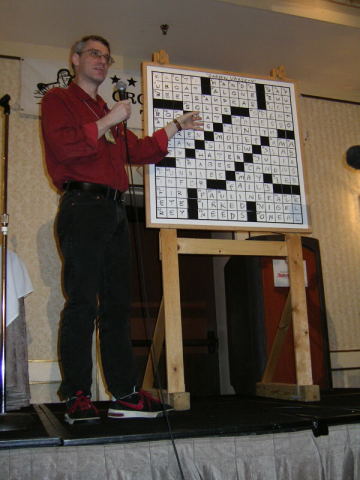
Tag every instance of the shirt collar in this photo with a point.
(80, 93)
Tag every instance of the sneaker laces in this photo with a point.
(82, 402)
(148, 398)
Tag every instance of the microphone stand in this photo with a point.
(4, 102)
(7, 422)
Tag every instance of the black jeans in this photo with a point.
(94, 241)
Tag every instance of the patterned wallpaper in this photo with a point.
(329, 128)
(32, 205)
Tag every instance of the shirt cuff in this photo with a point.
(162, 140)
(91, 133)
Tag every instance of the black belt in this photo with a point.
(95, 188)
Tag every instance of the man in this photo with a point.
(85, 154)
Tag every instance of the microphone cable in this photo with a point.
(144, 294)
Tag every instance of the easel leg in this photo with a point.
(155, 350)
(304, 389)
(173, 327)
(299, 310)
(278, 343)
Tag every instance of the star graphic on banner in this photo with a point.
(132, 82)
(114, 79)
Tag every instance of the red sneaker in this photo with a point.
(138, 405)
(81, 409)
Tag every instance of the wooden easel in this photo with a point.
(169, 328)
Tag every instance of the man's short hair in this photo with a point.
(80, 44)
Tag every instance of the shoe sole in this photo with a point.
(71, 421)
(118, 414)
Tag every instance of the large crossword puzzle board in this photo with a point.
(243, 171)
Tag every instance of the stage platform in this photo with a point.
(233, 426)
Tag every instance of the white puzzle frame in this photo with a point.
(253, 156)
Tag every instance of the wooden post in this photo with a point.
(161, 57)
(156, 349)
(278, 73)
(278, 342)
(304, 389)
(176, 394)
(299, 310)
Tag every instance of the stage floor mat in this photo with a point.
(44, 424)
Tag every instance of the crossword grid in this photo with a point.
(243, 169)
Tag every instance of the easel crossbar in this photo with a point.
(231, 247)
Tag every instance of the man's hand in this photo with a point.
(191, 120)
(120, 112)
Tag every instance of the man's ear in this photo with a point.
(75, 58)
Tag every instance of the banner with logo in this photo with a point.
(39, 76)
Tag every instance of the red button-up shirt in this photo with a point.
(72, 149)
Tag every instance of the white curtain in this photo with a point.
(280, 456)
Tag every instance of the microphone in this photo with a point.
(353, 157)
(121, 86)
(123, 95)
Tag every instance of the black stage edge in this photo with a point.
(30, 431)
(209, 416)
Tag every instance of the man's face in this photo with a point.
(88, 67)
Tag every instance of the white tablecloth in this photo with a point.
(18, 285)
(17, 373)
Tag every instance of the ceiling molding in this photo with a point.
(332, 11)
(348, 3)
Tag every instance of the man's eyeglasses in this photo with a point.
(97, 54)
